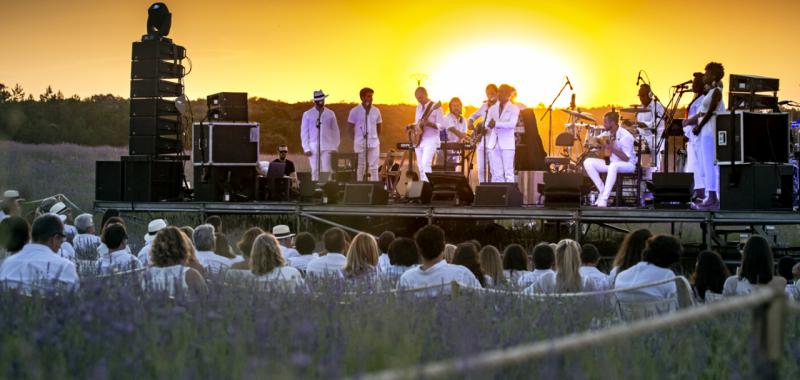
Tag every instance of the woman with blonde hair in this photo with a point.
(449, 253)
(269, 267)
(492, 265)
(171, 254)
(567, 278)
(362, 257)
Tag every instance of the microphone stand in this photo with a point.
(549, 112)
(319, 143)
(486, 173)
(365, 175)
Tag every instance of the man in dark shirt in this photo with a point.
(289, 171)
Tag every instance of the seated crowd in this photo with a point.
(185, 258)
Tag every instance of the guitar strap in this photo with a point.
(426, 114)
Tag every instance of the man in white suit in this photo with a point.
(319, 132)
(503, 118)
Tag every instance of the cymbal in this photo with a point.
(579, 115)
(634, 110)
(580, 125)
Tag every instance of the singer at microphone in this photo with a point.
(365, 119)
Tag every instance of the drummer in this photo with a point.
(645, 122)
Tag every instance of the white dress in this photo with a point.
(285, 277)
(165, 279)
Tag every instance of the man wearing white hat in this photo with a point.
(85, 242)
(153, 227)
(61, 209)
(10, 204)
(319, 132)
(284, 236)
(66, 251)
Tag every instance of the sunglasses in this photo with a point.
(284, 151)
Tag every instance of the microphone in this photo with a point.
(569, 83)
(688, 82)
(639, 78)
(572, 102)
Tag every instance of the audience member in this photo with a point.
(153, 228)
(384, 240)
(543, 259)
(66, 251)
(36, 265)
(467, 256)
(10, 204)
(169, 271)
(14, 234)
(709, 276)
(245, 246)
(492, 266)
(661, 252)
(757, 268)
(333, 261)
(305, 244)
(434, 269)
(102, 249)
(284, 236)
(269, 265)
(118, 259)
(223, 248)
(629, 253)
(515, 263)
(567, 277)
(188, 231)
(449, 252)
(216, 222)
(590, 257)
(205, 242)
(403, 255)
(362, 258)
(61, 209)
(85, 242)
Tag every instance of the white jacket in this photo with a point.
(329, 130)
(504, 127)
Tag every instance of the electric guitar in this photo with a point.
(416, 129)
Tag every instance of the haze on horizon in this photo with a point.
(284, 51)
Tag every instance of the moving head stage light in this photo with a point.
(159, 21)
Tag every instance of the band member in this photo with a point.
(711, 106)
(646, 123)
(622, 158)
(430, 131)
(455, 130)
(693, 145)
(482, 113)
(366, 123)
(319, 134)
(503, 119)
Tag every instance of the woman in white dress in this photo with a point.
(170, 254)
(567, 277)
(756, 270)
(269, 266)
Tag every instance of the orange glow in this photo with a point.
(285, 50)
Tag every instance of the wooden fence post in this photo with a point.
(768, 320)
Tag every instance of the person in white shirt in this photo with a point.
(362, 258)
(709, 276)
(403, 255)
(284, 235)
(204, 242)
(710, 108)
(756, 270)
(332, 262)
(10, 204)
(453, 130)
(85, 242)
(305, 245)
(622, 160)
(153, 228)
(14, 234)
(269, 266)
(366, 121)
(37, 266)
(170, 271)
(434, 269)
(61, 209)
(661, 253)
(430, 126)
(384, 242)
(567, 278)
(651, 128)
(482, 165)
(501, 144)
(319, 134)
(118, 259)
(693, 145)
(66, 250)
(629, 252)
(543, 259)
(515, 263)
(590, 256)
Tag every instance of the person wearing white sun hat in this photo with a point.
(66, 250)
(319, 134)
(153, 227)
(284, 236)
(61, 209)
(10, 204)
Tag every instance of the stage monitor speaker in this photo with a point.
(763, 187)
(452, 183)
(149, 180)
(760, 137)
(227, 100)
(157, 49)
(225, 143)
(672, 190)
(154, 126)
(562, 189)
(153, 107)
(747, 101)
(155, 88)
(502, 194)
(153, 145)
(753, 83)
(156, 69)
(108, 180)
(212, 182)
(419, 192)
(370, 193)
(228, 114)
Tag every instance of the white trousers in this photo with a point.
(707, 158)
(325, 162)
(502, 162)
(595, 166)
(693, 163)
(424, 157)
(480, 163)
(373, 154)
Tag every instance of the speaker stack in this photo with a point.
(225, 157)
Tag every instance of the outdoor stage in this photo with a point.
(574, 217)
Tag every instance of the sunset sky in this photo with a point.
(286, 49)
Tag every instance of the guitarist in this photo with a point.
(454, 131)
(477, 136)
(429, 119)
(622, 158)
(501, 145)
